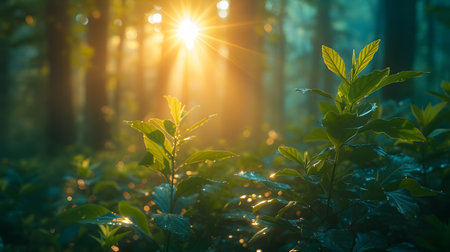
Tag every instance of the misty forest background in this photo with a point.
(72, 71)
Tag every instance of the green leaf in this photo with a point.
(333, 61)
(365, 56)
(415, 189)
(211, 155)
(192, 185)
(398, 77)
(288, 172)
(430, 112)
(317, 91)
(317, 134)
(445, 85)
(397, 128)
(156, 150)
(263, 203)
(342, 127)
(417, 113)
(365, 85)
(106, 187)
(199, 123)
(176, 109)
(338, 240)
(83, 212)
(154, 139)
(368, 241)
(291, 154)
(373, 192)
(257, 177)
(403, 203)
(175, 223)
(342, 94)
(125, 209)
(444, 98)
(260, 234)
(161, 197)
(338, 133)
(285, 208)
(110, 219)
(325, 107)
(167, 125)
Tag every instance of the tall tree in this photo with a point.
(141, 89)
(119, 62)
(96, 77)
(399, 43)
(4, 91)
(243, 91)
(322, 36)
(60, 115)
(278, 115)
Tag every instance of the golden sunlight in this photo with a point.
(188, 31)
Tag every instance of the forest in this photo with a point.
(225, 125)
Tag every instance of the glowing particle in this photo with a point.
(29, 20)
(268, 28)
(69, 198)
(223, 5)
(241, 241)
(114, 248)
(155, 18)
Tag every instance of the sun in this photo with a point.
(188, 31)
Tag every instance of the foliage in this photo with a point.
(165, 141)
(344, 197)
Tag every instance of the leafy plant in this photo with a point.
(165, 142)
(333, 192)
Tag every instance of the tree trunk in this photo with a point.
(278, 113)
(141, 90)
(243, 91)
(321, 37)
(4, 94)
(119, 66)
(399, 44)
(60, 115)
(96, 99)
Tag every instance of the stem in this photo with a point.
(333, 173)
(171, 178)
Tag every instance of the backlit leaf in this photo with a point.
(176, 109)
(366, 55)
(211, 155)
(80, 213)
(291, 154)
(192, 185)
(365, 85)
(199, 123)
(333, 61)
(125, 209)
(398, 77)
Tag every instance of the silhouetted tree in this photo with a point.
(322, 36)
(96, 78)
(60, 115)
(399, 43)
